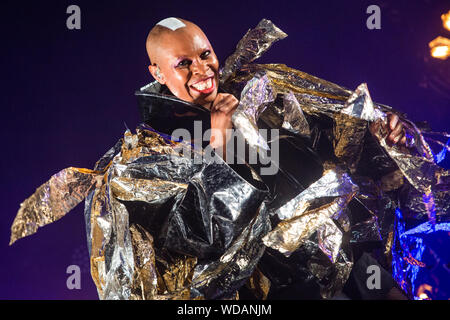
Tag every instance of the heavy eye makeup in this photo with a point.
(184, 62)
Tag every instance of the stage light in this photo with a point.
(423, 291)
(446, 20)
(440, 48)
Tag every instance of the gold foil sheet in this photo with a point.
(334, 183)
(349, 139)
(129, 189)
(52, 200)
(298, 223)
(125, 265)
(145, 278)
(112, 256)
(158, 277)
(290, 234)
(176, 276)
(259, 284)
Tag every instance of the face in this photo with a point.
(188, 65)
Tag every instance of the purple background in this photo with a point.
(67, 94)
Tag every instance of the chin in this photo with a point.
(211, 97)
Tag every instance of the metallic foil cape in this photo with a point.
(162, 226)
(389, 177)
(162, 221)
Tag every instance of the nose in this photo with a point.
(199, 67)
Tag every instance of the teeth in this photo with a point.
(200, 85)
(203, 85)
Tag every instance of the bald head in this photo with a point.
(163, 32)
(183, 59)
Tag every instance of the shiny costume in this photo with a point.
(162, 226)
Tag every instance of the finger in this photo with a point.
(228, 98)
(393, 120)
(229, 105)
(219, 98)
(401, 138)
(397, 133)
(396, 139)
(215, 104)
(223, 96)
(226, 108)
(221, 108)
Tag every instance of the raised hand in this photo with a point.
(394, 129)
(222, 109)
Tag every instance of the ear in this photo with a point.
(158, 76)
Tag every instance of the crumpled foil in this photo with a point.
(52, 200)
(411, 172)
(334, 183)
(236, 265)
(315, 95)
(145, 273)
(294, 119)
(162, 194)
(300, 218)
(162, 226)
(254, 43)
(351, 113)
(317, 218)
(360, 105)
(158, 221)
(256, 95)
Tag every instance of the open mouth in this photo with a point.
(204, 86)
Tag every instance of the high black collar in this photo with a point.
(164, 112)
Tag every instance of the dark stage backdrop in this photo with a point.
(67, 95)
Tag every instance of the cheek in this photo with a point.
(176, 82)
(176, 79)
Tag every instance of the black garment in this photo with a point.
(358, 289)
(300, 164)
